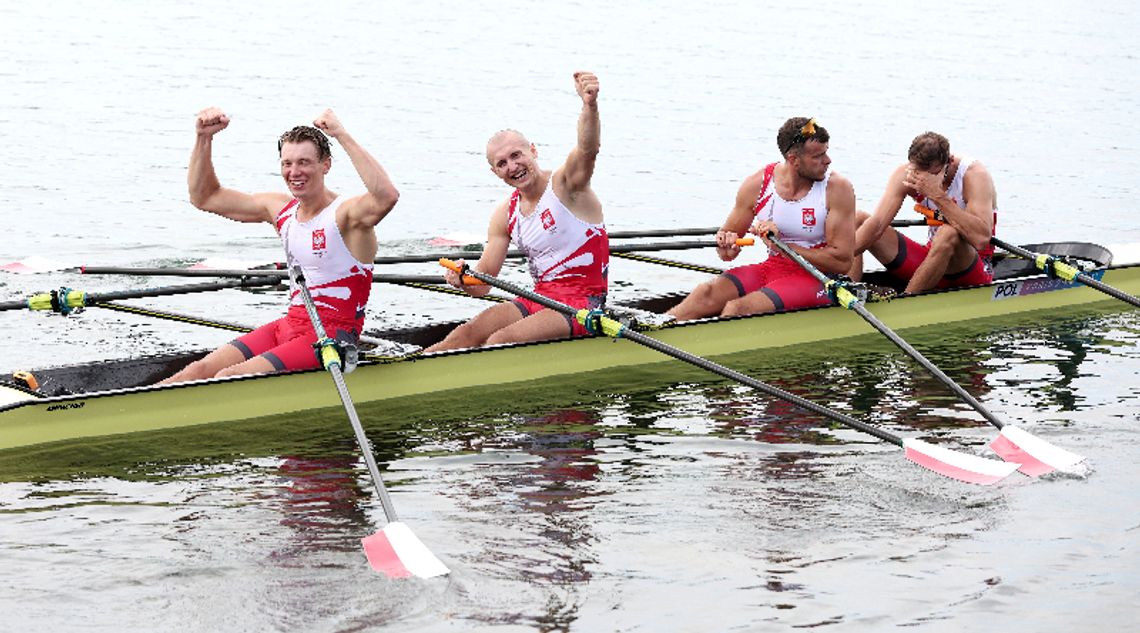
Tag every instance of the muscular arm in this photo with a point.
(885, 212)
(494, 253)
(975, 222)
(740, 218)
(207, 193)
(573, 179)
(839, 229)
(366, 210)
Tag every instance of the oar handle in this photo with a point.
(452, 265)
(933, 217)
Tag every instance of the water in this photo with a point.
(660, 499)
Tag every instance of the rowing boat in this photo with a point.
(117, 397)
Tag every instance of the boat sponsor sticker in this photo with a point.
(1027, 287)
(64, 406)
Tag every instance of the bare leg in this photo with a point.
(856, 271)
(707, 299)
(540, 326)
(255, 365)
(751, 303)
(476, 331)
(942, 250)
(209, 366)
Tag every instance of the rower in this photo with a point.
(957, 195)
(555, 218)
(803, 203)
(332, 238)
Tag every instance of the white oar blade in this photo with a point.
(1036, 456)
(396, 552)
(960, 466)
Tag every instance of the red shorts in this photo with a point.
(287, 343)
(911, 254)
(782, 280)
(572, 297)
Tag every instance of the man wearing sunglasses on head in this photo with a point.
(957, 195)
(800, 201)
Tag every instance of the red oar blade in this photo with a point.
(960, 466)
(1036, 456)
(396, 552)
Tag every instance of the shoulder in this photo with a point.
(976, 170)
(838, 184)
(499, 214)
(273, 203)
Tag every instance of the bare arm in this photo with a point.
(573, 179)
(740, 218)
(207, 193)
(973, 223)
(838, 230)
(366, 210)
(494, 253)
(885, 212)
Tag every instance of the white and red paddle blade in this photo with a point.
(398, 553)
(457, 239)
(222, 263)
(33, 264)
(968, 468)
(1036, 456)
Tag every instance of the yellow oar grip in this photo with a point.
(845, 297)
(329, 357)
(468, 280)
(610, 327)
(41, 301)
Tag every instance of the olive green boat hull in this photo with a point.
(27, 420)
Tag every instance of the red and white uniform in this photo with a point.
(339, 284)
(568, 258)
(911, 253)
(800, 222)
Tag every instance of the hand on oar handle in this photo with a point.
(454, 268)
(933, 216)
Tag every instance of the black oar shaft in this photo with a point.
(703, 363)
(91, 299)
(274, 276)
(856, 305)
(334, 368)
(1084, 278)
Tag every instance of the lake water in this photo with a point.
(660, 499)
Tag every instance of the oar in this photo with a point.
(960, 466)
(394, 550)
(197, 320)
(1058, 268)
(65, 300)
(221, 272)
(1034, 456)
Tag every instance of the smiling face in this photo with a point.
(513, 158)
(303, 170)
